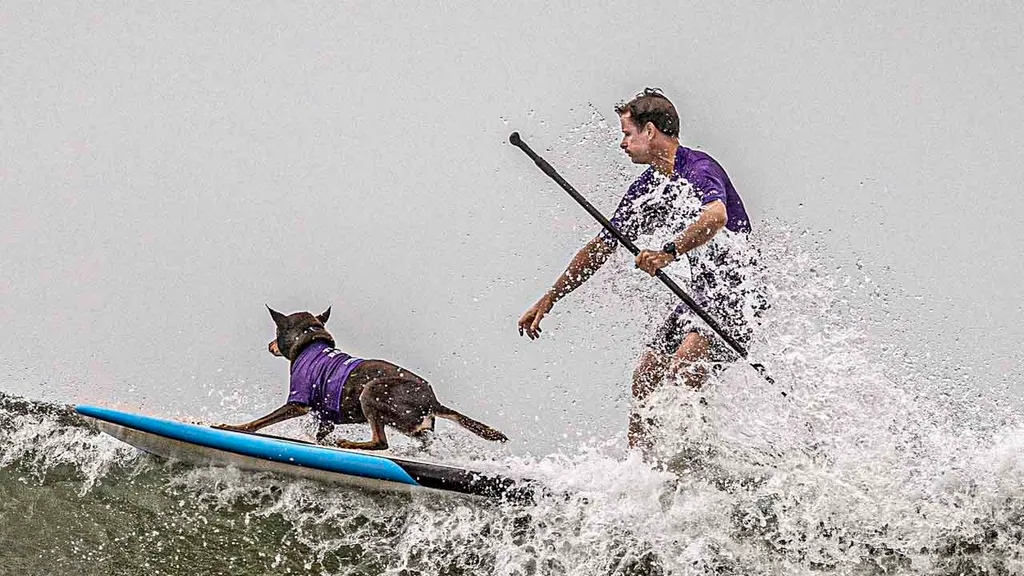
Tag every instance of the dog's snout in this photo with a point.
(273, 348)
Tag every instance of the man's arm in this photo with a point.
(583, 265)
(713, 217)
(286, 412)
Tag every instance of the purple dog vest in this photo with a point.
(318, 377)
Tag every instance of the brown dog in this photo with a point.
(340, 389)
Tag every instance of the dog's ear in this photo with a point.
(323, 317)
(277, 316)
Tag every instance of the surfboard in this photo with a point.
(206, 446)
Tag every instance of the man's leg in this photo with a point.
(647, 376)
(689, 363)
(692, 360)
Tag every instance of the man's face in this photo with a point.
(636, 143)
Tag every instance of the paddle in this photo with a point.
(547, 169)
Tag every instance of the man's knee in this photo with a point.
(691, 361)
(648, 373)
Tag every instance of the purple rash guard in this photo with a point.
(318, 376)
(640, 214)
(656, 204)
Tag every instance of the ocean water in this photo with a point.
(878, 460)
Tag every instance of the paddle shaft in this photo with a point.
(660, 274)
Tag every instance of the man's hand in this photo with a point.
(530, 320)
(651, 261)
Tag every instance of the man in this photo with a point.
(688, 195)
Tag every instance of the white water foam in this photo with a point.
(41, 443)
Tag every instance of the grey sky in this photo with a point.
(166, 169)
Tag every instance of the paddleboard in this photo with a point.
(206, 446)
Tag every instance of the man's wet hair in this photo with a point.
(652, 106)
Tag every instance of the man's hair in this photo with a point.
(651, 106)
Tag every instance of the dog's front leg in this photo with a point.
(286, 412)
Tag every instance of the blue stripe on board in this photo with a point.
(305, 455)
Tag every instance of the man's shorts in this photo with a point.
(728, 312)
(723, 283)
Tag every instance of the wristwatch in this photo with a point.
(671, 249)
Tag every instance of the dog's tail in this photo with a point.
(479, 428)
